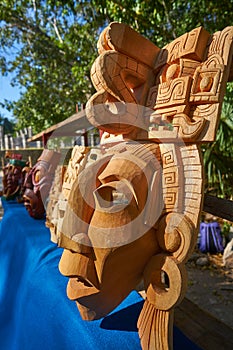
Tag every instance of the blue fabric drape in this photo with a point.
(35, 312)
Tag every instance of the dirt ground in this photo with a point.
(211, 286)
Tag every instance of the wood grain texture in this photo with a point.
(55, 198)
(137, 207)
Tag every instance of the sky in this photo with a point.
(7, 92)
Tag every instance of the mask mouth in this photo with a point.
(32, 204)
(78, 287)
(30, 198)
(85, 282)
(28, 207)
(11, 191)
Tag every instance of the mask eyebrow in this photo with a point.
(123, 166)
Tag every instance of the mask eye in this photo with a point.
(114, 196)
(39, 173)
(119, 198)
(37, 176)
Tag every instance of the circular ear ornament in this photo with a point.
(165, 281)
(176, 235)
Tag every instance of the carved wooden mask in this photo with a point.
(60, 190)
(13, 178)
(55, 196)
(105, 222)
(134, 213)
(38, 183)
(169, 93)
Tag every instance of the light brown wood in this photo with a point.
(182, 85)
(81, 157)
(74, 166)
(63, 180)
(55, 195)
(134, 213)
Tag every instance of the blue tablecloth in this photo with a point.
(35, 313)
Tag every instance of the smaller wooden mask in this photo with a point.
(60, 190)
(55, 196)
(12, 178)
(38, 183)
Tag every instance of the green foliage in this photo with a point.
(8, 126)
(163, 21)
(218, 156)
(50, 45)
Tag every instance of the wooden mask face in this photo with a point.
(12, 178)
(38, 183)
(106, 229)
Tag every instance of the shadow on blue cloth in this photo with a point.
(126, 320)
(35, 313)
(123, 320)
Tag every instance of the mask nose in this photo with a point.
(30, 198)
(80, 266)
